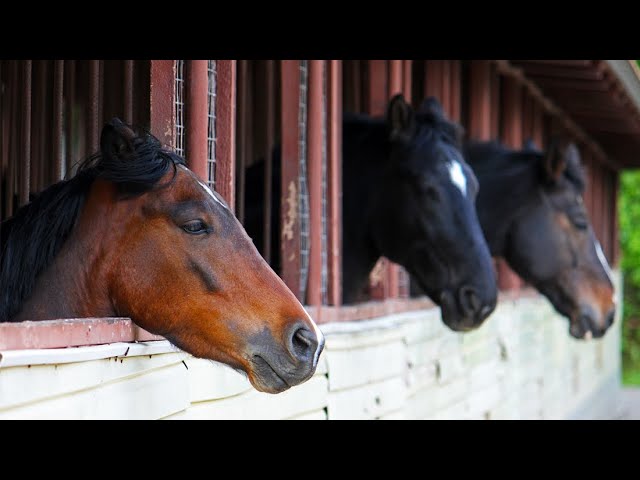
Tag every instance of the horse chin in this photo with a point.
(264, 378)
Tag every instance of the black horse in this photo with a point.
(408, 195)
(532, 214)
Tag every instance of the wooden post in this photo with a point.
(314, 150)
(226, 130)
(378, 94)
(334, 172)
(162, 101)
(480, 101)
(512, 137)
(289, 210)
(196, 111)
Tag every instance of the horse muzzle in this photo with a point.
(466, 310)
(278, 366)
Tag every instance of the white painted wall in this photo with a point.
(521, 363)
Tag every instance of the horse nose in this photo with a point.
(610, 317)
(303, 344)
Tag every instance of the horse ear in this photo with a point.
(559, 155)
(116, 139)
(431, 106)
(401, 118)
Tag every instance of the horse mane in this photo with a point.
(31, 239)
(495, 160)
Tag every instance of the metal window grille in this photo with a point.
(180, 107)
(324, 235)
(211, 130)
(303, 196)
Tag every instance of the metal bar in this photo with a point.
(127, 88)
(480, 101)
(26, 133)
(269, 112)
(314, 142)
(334, 129)
(162, 101)
(58, 87)
(226, 129)
(196, 120)
(289, 216)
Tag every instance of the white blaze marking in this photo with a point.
(603, 260)
(319, 336)
(204, 186)
(457, 176)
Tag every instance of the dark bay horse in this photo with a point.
(135, 233)
(408, 195)
(532, 214)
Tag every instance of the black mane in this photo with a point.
(498, 161)
(31, 239)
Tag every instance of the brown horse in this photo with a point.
(135, 233)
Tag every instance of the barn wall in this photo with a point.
(520, 364)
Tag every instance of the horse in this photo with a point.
(134, 233)
(408, 195)
(532, 213)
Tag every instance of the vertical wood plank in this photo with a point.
(196, 121)
(226, 130)
(314, 149)
(334, 171)
(289, 214)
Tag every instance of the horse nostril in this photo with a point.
(303, 344)
(610, 318)
(469, 301)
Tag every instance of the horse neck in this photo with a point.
(365, 148)
(76, 284)
(504, 195)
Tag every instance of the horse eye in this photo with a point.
(195, 227)
(579, 220)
